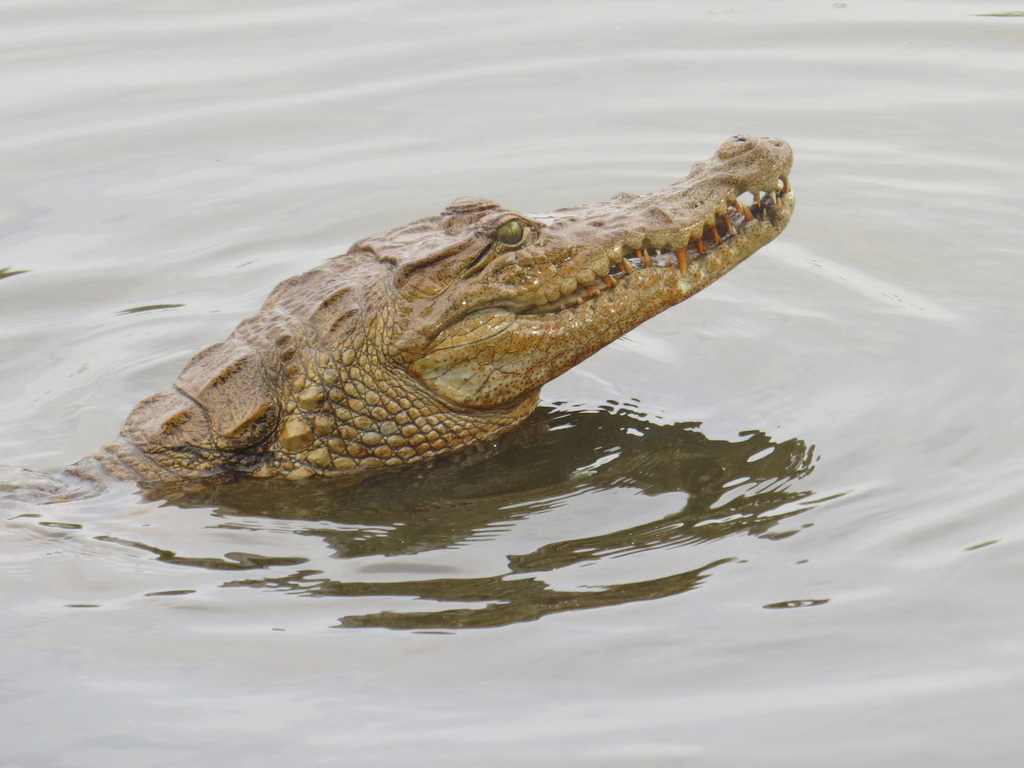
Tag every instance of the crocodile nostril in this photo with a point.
(737, 145)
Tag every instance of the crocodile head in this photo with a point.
(439, 334)
(495, 303)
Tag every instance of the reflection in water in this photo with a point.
(741, 486)
(148, 308)
(8, 272)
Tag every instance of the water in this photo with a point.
(778, 525)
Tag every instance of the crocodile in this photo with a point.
(436, 336)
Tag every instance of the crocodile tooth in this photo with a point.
(683, 261)
(699, 245)
(609, 281)
(747, 213)
(647, 259)
(591, 291)
(729, 228)
(714, 233)
(626, 266)
(785, 184)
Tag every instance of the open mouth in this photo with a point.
(745, 211)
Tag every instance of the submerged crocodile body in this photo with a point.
(438, 335)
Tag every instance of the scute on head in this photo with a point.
(465, 211)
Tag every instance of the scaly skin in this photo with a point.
(438, 335)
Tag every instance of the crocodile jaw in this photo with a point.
(492, 355)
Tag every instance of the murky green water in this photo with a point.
(779, 525)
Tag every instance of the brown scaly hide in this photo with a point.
(438, 335)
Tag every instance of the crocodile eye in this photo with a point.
(510, 233)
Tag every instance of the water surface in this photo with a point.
(778, 525)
